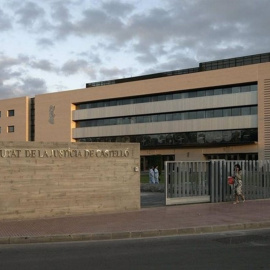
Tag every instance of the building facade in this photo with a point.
(218, 110)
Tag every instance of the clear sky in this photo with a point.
(58, 45)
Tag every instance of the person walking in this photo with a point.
(151, 175)
(156, 175)
(238, 184)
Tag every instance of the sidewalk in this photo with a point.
(147, 222)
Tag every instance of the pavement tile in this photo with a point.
(146, 222)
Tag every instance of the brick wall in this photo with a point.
(57, 179)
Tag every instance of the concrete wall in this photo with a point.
(57, 179)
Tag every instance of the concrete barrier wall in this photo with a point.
(58, 179)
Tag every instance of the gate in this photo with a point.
(206, 181)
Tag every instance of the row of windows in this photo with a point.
(235, 62)
(204, 66)
(239, 156)
(9, 113)
(199, 114)
(145, 77)
(10, 129)
(221, 137)
(170, 96)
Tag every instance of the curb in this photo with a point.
(133, 235)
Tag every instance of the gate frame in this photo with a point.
(256, 181)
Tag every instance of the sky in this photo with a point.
(60, 45)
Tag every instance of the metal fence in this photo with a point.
(196, 182)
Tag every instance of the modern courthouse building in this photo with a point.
(218, 110)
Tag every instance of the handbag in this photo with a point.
(230, 180)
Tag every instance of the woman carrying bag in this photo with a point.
(238, 184)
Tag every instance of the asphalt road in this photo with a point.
(245, 250)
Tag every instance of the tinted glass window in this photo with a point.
(146, 119)
(227, 90)
(254, 110)
(139, 119)
(113, 103)
(169, 117)
(192, 115)
(218, 91)
(235, 89)
(161, 117)
(126, 101)
(154, 118)
(235, 111)
(184, 115)
(209, 92)
(227, 112)
(106, 122)
(177, 116)
(192, 94)
(185, 95)
(218, 113)
(126, 120)
(200, 114)
(201, 93)
(161, 97)
(209, 113)
(253, 88)
(245, 111)
(169, 97)
(177, 96)
(155, 98)
(245, 88)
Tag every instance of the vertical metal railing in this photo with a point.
(206, 181)
(186, 182)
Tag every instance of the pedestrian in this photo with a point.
(238, 184)
(151, 175)
(156, 175)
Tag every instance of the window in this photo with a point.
(209, 92)
(227, 90)
(254, 110)
(140, 119)
(192, 115)
(218, 91)
(161, 117)
(154, 118)
(169, 117)
(192, 94)
(236, 89)
(235, 111)
(177, 116)
(184, 115)
(227, 112)
(209, 113)
(245, 88)
(245, 111)
(200, 114)
(126, 120)
(161, 97)
(201, 93)
(253, 87)
(10, 129)
(218, 113)
(11, 113)
(177, 96)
